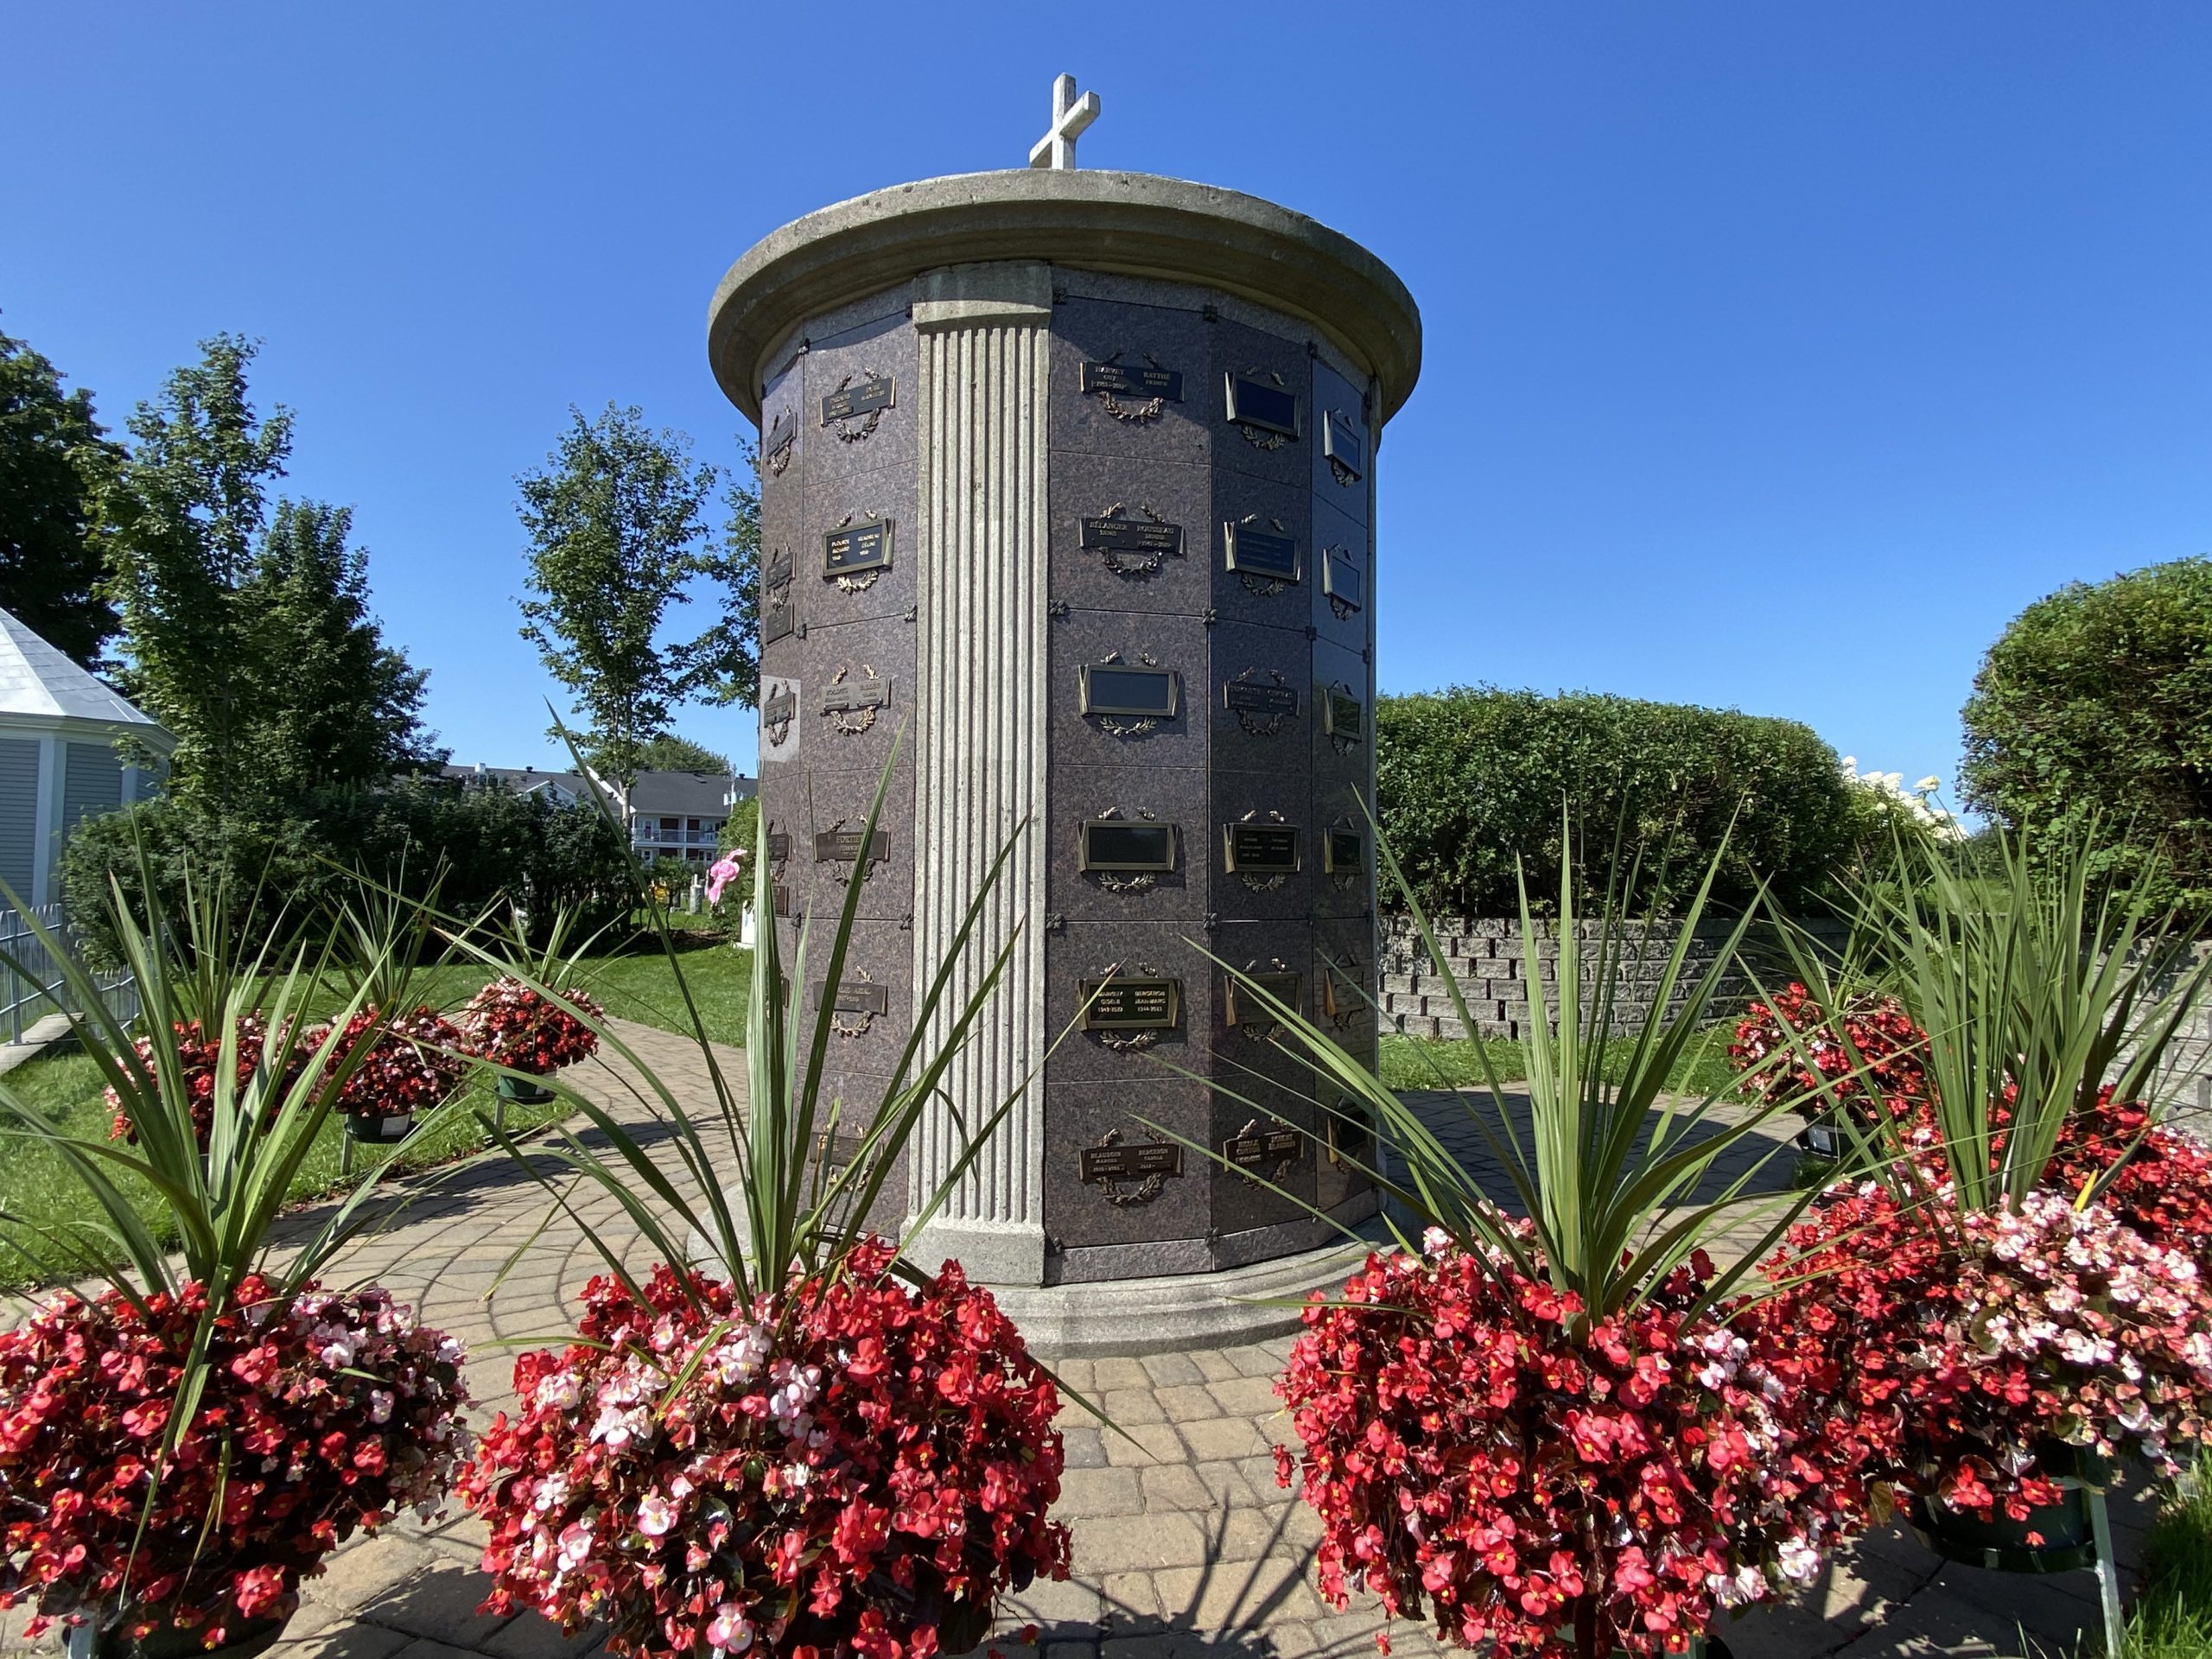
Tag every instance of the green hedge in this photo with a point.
(492, 848)
(2096, 703)
(1470, 778)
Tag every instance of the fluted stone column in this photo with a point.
(979, 746)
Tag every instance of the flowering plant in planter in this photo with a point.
(1545, 1430)
(200, 1060)
(786, 1439)
(862, 1467)
(414, 1062)
(179, 1450)
(331, 1413)
(524, 1028)
(1867, 1058)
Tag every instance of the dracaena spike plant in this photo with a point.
(1988, 1310)
(1534, 1418)
(180, 1449)
(786, 1437)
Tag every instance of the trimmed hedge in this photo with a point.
(1468, 779)
(491, 847)
(2097, 703)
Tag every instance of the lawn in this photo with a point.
(1421, 1063)
(37, 1187)
(2173, 1616)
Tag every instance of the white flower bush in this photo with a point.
(1887, 793)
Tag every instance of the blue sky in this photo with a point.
(1776, 354)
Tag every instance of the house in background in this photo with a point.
(57, 762)
(671, 814)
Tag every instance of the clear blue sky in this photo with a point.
(1777, 353)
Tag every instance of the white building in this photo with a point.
(58, 760)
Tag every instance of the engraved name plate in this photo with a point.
(1343, 852)
(1351, 1136)
(1127, 380)
(1123, 1003)
(1343, 716)
(1131, 1163)
(1126, 844)
(1119, 689)
(853, 996)
(782, 709)
(855, 695)
(781, 899)
(1240, 1007)
(1342, 996)
(1342, 580)
(779, 845)
(1251, 697)
(1259, 1151)
(778, 616)
(782, 431)
(844, 846)
(1261, 553)
(1345, 446)
(862, 397)
(1254, 402)
(1260, 849)
(865, 546)
(1131, 536)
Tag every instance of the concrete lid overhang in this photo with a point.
(1127, 224)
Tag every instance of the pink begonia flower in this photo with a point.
(724, 870)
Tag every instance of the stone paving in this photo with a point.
(1183, 1545)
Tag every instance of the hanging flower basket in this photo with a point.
(379, 1128)
(523, 1091)
(253, 1638)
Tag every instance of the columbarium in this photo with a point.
(1069, 476)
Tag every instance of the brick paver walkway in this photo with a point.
(1184, 1545)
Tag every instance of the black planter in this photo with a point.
(523, 1091)
(378, 1128)
(1823, 1139)
(256, 1636)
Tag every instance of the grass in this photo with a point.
(2172, 1618)
(37, 1186)
(1422, 1063)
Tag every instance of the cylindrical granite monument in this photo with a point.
(1071, 475)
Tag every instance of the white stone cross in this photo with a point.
(1071, 115)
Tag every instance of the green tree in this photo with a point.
(248, 638)
(669, 752)
(2096, 705)
(54, 460)
(722, 665)
(618, 533)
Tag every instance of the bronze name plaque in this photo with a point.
(1345, 444)
(1260, 849)
(862, 397)
(844, 846)
(1124, 688)
(1341, 579)
(1258, 1151)
(1131, 536)
(857, 548)
(853, 996)
(1239, 1006)
(855, 695)
(1342, 715)
(1125, 1002)
(1128, 381)
(1261, 553)
(1256, 403)
(1250, 697)
(1131, 1163)
(1343, 852)
(1126, 844)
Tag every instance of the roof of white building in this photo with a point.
(37, 678)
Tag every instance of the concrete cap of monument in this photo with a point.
(1127, 224)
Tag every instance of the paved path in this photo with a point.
(1185, 1547)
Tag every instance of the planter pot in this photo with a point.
(523, 1091)
(380, 1130)
(257, 1636)
(2000, 1543)
(1825, 1141)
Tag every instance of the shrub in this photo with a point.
(490, 847)
(1469, 778)
(2095, 706)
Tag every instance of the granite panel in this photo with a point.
(782, 475)
(1277, 363)
(839, 800)
(881, 953)
(1349, 623)
(843, 449)
(1175, 795)
(783, 725)
(882, 493)
(1080, 1114)
(1087, 638)
(1240, 1202)
(1269, 509)
(1260, 664)
(1143, 337)
(1346, 485)
(1343, 952)
(1258, 948)
(1086, 950)
(1260, 798)
(1144, 493)
(1340, 766)
(848, 667)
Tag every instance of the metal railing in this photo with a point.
(32, 984)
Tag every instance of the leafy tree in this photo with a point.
(54, 460)
(617, 534)
(669, 752)
(723, 664)
(2095, 706)
(248, 639)
(343, 707)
